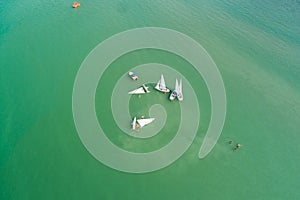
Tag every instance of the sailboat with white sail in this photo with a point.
(179, 91)
(141, 90)
(139, 123)
(161, 85)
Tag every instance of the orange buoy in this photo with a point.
(76, 5)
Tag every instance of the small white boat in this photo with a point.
(179, 91)
(139, 123)
(141, 90)
(161, 85)
(133, 75)
(174, 93)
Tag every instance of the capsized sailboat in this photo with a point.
(144, 122)
(161, 85)
(141, 90)
(139, 123)
(179, 91)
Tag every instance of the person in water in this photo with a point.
(237, 147)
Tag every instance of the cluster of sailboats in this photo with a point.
(177, 92)
(160, 86)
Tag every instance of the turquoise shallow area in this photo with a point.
(256, 46)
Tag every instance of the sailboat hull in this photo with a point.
(166, 90)
(134, 124)
(173, 95)
(180, 98)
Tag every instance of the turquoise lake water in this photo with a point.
(256, 46)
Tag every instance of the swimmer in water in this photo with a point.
(237, 147)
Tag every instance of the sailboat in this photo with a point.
(141, 90)
(174, 93)
(139, 123)
(179, 91)
(161, 85)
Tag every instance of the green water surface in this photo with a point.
(256, 46)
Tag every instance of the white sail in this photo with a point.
(179, 91)
(134, 123)
(143, 122)
(141, 90)
(176, 86)
(137, 91)
(161, 85)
